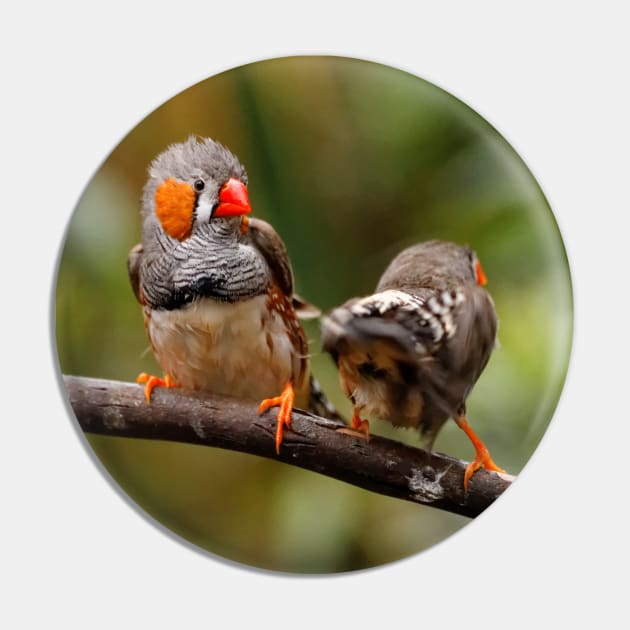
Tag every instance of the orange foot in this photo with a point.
(285, 402)
(154, 381)
(482, 455)
(358, 428)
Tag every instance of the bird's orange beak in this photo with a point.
(233, 200)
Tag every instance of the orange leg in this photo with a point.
(482, 456)
(154, 381)
(285, 402)
(358, 428)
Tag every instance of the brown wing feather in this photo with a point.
(133, 268)
(272, 247)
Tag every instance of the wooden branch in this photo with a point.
(119, 409)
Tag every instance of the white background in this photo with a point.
(552, 78)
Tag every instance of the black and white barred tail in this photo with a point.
(319, 404)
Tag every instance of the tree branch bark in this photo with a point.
(119, 409)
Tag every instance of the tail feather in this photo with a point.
(320, 405)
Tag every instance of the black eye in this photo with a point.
(199, 185)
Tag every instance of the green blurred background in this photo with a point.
(351, 162)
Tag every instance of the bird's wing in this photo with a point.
(453, 335)
(386, 323)
(274, 251)
(421, 323)
(133, 268)
(472, 336)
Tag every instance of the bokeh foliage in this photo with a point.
(351, 161)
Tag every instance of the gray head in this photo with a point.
(191, 184)
(194, 234)
(437, 264)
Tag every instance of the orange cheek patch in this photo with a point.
(174, 205)
(481, 276)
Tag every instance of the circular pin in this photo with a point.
(350, 162)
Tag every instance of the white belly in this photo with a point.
(224, 348)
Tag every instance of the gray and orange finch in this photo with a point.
(411, 352)
(216, 287)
